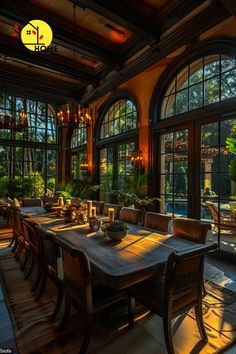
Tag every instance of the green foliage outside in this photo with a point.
(135, 192)
(231, 144)
(79, 188)
(25, 187)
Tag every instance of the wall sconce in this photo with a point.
(137, 159)
(84, 166)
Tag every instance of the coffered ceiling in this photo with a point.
(99, 43)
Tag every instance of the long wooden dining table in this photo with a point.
(140, 255)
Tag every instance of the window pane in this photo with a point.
(211, 91)
(228, 84)
(195, 96)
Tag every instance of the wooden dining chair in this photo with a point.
(116, 208)
(191, 229)
(81, 293)
(21, 243)
(31, 202)
(34, 249)
(50, 265)
(99, 206)
(156, 221)
(130, 215)
(177, 292)
(11, 220)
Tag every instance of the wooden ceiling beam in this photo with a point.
(189, 31)
(65, 33)
(230, 5)
(13, 48)
(116, 12)
(34, 85)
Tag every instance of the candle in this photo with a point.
(89, 206)
(68, 202)
(93, 212)
(61, 201)
(111, 214)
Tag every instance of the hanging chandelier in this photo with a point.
(74, 115)
(15, 123)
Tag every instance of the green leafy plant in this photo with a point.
(231, 145)
(79, 188)
(117, 226)
(135, 192)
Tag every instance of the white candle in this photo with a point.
(93, 212)
(89, 206)
(111, 214)
(61, 201)
(68, 202)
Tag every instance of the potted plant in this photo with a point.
(48, 207)
(117, 230)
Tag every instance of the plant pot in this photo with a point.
(117, 235)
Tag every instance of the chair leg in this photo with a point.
(86, 338)
(42, 286)
(12, 241)
(30, 270)
(131, 312)
(200, 324)
(22, 268)
(66, 313)
(14, 245)
(37, 281)
(168, 335)
(60, 294)
(19, 251)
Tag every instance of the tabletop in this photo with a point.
(140, 255)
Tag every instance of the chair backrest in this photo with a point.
(130, 215)
(116, 208)
(31, 202)
(11, 211)
(77, 277)
(35, 242)
(50, 250)
(18, 222)
(99, 206)
(191, 229)
(46, 199)
(157, 221)
(184, 278)
(214, 211)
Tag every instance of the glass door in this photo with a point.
(218, 190)
(175, 172)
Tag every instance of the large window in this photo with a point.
(193, 164)
(79, 159)
(28, 157)
(205, 81)
(115, 166)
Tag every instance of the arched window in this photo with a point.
(207, 80)
(121, 117)
(118, 120)
(28, 156)
(78, 146)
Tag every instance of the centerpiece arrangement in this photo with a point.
(76, 213)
